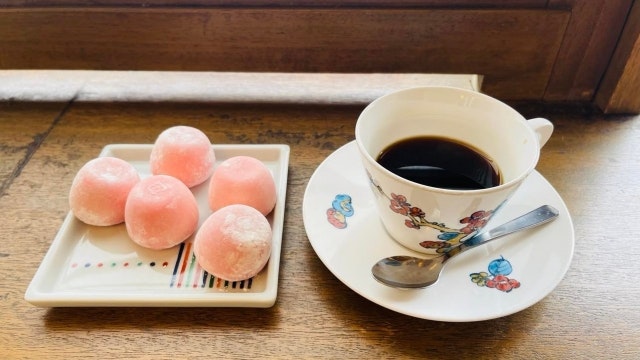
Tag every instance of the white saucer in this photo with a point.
(536, 260)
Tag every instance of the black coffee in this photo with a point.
(440, 162)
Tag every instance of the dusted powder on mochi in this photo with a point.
(234, 243)
(160, 212)
(242, 180)
(183, 152)
(99, 191)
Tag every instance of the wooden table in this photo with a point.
(594, 313)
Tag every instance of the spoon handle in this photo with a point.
(531, 219)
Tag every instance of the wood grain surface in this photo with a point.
(504, 45)
(589, 41)
(533, 52)
(593, 314)
(621, 83)
(281, 3)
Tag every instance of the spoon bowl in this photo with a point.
(408, 272)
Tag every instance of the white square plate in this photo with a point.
(100, 266)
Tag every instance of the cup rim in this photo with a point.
(513, 182)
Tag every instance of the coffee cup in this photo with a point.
(431, 197)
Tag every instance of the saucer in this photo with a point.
(491, 281)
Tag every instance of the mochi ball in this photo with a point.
(160, 212)
(242, 180)
(99, 191)
(234, 243)
(183, 152)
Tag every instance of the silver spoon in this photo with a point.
(413, 273)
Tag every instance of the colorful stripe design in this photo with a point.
(187, 273)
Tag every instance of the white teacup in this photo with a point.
(431, 219)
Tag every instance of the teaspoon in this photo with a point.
(413, 273)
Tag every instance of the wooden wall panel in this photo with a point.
(283, 3)
(620, 88)
(592, 34)
(514, 49)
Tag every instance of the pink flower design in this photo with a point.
(503, 283)
(475, 221)
(336, 219)
(411, 224)
(416, 212)
(399, 204)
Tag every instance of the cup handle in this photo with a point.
(543, 128)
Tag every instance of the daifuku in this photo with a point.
(99, 190)
(234, 243)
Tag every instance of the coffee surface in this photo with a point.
(440, 162)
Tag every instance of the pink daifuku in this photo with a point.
(234, 243)
(183, 152)
(160, 212)
(100, 189)
(242, 180)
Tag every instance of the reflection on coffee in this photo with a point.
(440, 162)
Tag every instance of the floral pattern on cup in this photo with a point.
(496, 276)
(449, 237)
